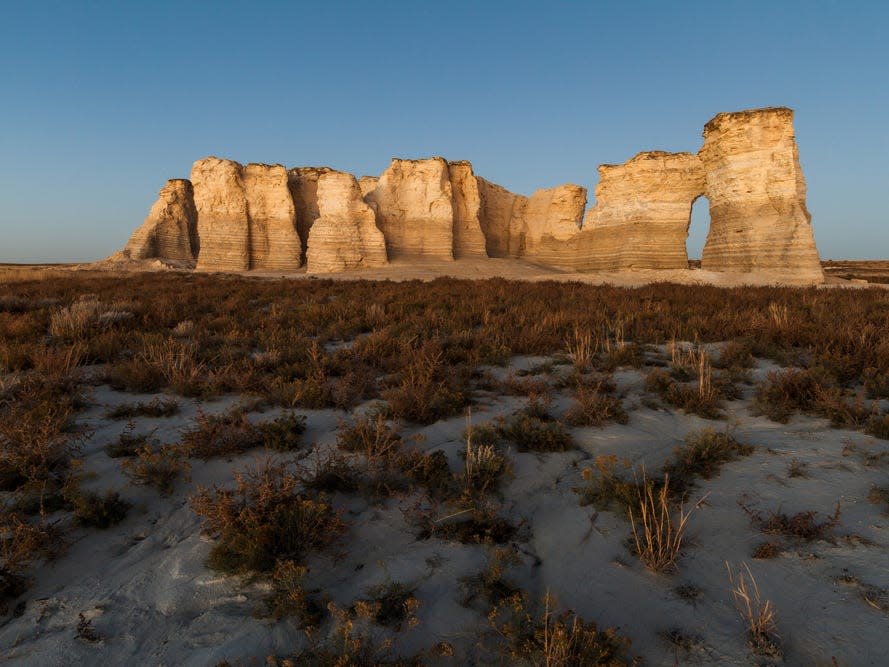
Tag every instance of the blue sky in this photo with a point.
(102, 102)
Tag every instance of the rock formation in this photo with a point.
(170, 230)
(757, 194)
(303, 183)
(234, 218)
(469, 240)
(641, 216)
(414, 210)
(500, 212)
(550, 215)
(246, 217)
(345, 235)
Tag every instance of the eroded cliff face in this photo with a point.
(757, 194)
(236, 218)
(345, 234)
(274, 242)
(303, 184)
(469, 240)
(170, 230)
(413, 203)
(223, 227)
(500, 214)
(641, 216)
(550, 217)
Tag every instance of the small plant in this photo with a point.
(331, 474)
(595, 406)
(221, 435)
(289, 597)
(703, 455)
(86, 631)
(128, 443)
(658, 526)
(879, 495)
(581, 349)
(533, 429)
(878, 426)
(264, 520)
(490, 586)
(156, 407)
(606, 488)
(766, 550)
(553, 639)
(797, 468)
(370, 436)
(783, 393)
(735, 355)
(394, 604)
(93, 510)
(802, 525)
(283, 434)
(159, 469)
(758, 615)
(484, 465)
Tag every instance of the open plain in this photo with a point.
(222, 469)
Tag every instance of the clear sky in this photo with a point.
(100, 102)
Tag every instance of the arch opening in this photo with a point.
(698, 228)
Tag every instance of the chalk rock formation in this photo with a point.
(550, 216)
(367, 184)
(414, 208)
(170, 230)
(246, 217)
(501, 212)
(757, 193)
(641, 216)
(469, 241)
(303, 183)
(345, 235)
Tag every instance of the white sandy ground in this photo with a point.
(509, 269)
(147, 591)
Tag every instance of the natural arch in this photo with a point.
(698, 228)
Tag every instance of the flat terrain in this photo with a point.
(440, 472)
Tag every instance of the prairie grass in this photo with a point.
(758, 615)
(658, 524)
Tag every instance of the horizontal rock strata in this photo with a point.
(414, 210)
(641, 216)
(469, 240)
(345, 234)
(246, 217)
(757, 194)
(236, 218)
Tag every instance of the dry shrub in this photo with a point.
(370, 436)
(264, 519)
(785, 392)
(95, 511)
(158, 468)
(702, 455)
(533, 429)
(156, 407)
(606, 488)
(758, 615)
(128, 442)
(595, 406)
(221, 435)
(553, 639)
(878, 426)
(802, 525)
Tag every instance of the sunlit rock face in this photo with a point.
(757, 194)
(549, 217)
(303, 184)
(500, 213)
(413, 203)
(469, 240)
(246, 217)
(641, 216)
(344, 236)
(236, 218)
(170, 230)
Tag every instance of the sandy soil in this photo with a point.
(145, 588)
